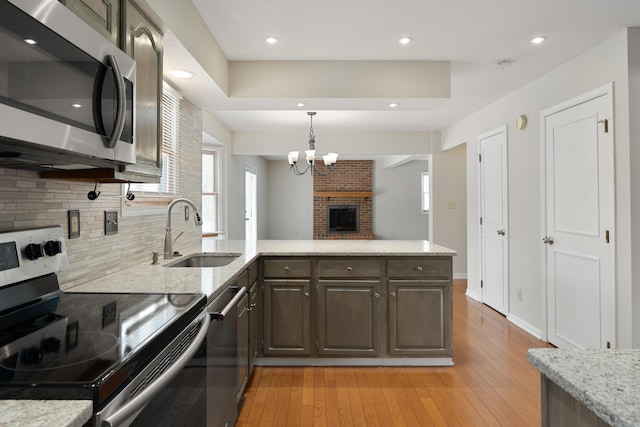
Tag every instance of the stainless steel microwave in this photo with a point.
(67, 94)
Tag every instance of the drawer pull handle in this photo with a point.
(350, 268)
(377, 295)
(419, 268)
(306, 294)
(286, 269)
(393, 294)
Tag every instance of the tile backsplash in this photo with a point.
(29, 201)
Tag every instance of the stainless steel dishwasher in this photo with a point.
(222, 358)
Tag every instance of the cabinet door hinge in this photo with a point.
(479, 158)
(606, 235)
(480, 220)
(262, 344)
(605, 122)
(481, 284)
(608, 344)
(317, 346)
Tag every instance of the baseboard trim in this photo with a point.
(460, 276)
(525, 326)
(473, 295)
(345, 361)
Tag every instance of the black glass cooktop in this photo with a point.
(85, 345)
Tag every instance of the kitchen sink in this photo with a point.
(204, 260)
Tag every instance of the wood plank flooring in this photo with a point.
(491, 384)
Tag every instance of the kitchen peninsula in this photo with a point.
(395, 296)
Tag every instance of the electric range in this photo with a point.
(71, 345)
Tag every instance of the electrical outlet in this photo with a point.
(519, 294)
(110, 222)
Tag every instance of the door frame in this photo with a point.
(607, 91)
(496, 131)
(249, 169)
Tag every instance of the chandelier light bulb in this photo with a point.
(310, 154)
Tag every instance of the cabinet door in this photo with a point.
(255, 311)
(243, 344)
(348, 317)
(102, 15)
(143, 42)
(420, 317)
(287, 317)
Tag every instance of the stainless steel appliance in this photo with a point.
(222, 358)
(66, 93)
(141, 358)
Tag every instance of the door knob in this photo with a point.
(547, 240)
(501, 232)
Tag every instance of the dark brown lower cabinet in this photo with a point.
(287, 316)
(420, 317)
(348, 317)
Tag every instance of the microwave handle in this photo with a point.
(121, 103)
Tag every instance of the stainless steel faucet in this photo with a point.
(168, 241)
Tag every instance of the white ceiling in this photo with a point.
(472, 34)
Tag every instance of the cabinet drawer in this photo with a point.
(287, 268)
(420, 267)
(349, 268)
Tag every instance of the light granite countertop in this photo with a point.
(605, 381)
(149, 278)
(45, 413)
(157, 278)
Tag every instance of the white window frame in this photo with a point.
(426, 192)
(218, 149)
(151, 202)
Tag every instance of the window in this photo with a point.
(426, 191)
(210, 192)
(153, 198)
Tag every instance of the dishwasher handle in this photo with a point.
(140, 401)
(220, 315)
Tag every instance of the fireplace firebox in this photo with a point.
(343, 219)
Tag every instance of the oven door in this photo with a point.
(170, 391)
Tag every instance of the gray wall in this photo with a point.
(290, 211)
(397, 214)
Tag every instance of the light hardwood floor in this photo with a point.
(491, 384)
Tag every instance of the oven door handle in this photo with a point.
(220, 315)
(136, 404)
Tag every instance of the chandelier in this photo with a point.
(329, 159)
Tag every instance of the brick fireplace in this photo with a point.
(349, 184)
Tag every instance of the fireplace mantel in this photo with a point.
(338, 194)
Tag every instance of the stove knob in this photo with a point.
(53, 247)
(34, 251)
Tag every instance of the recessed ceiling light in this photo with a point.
(393, 105)
(30, 41)
(537, 40)
(181, 74)
(300, 104)
(405, 40)
(76, 105)
(272, 40)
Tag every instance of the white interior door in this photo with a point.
(250, 206)
(579, 223)
(494, 242)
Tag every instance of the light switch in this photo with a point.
(451, 204)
